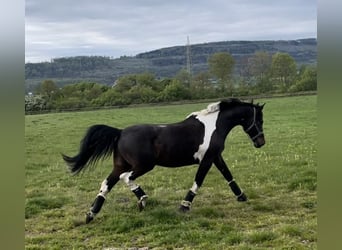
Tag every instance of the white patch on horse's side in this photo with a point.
(194, 188)
(209, 121)
(125, 177)
(104, 189)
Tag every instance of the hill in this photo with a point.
(165, 62)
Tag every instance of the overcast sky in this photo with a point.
(115, 28)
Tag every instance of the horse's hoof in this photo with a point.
(142, 203)
(89, 217)
(183, 209)
(140, 206)
(242, 197)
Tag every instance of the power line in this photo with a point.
(188, 58)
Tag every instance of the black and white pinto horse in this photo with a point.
(199, 139)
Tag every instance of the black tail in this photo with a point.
(99, 142)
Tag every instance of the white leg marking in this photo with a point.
(209, 122)
(104, 189)
(194, 188)
(125, 177)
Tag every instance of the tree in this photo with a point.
(283, 70)
(148, 80)
(307, 80)
(221, 66)
(141, 94)
(259, 65)
(47, 88)
(259, 69)
(34, 103)
(183, 77)
(125, 83)
(175, 91)
(110, 98)
(49, 92)
(201, 87)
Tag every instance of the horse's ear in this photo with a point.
(262, 105)
(252, 100)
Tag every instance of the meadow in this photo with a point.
(280, 180)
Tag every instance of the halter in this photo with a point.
(254, 125)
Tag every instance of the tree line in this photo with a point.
(264, 74)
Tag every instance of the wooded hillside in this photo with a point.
(166, 62)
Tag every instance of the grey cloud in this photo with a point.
(115, 28)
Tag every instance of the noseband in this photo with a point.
(253, 125)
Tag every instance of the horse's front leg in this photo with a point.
(200, 175)
(222, 166)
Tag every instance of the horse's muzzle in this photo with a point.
(259, 141)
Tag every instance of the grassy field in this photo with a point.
(279, 180)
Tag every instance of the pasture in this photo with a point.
(279, 180)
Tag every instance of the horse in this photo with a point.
(137, 149)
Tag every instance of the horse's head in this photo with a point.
(252, 124)
(234, 112)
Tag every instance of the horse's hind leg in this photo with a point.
(129, 177)
(106, 186)
(221, 165)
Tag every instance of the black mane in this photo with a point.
(233, 102)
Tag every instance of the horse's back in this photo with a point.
(170, 145)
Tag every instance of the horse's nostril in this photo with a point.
(259, 143)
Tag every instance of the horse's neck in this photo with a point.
(228, 122)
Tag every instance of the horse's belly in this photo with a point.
(173, 163)
(176, 158)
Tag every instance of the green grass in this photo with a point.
(279, 179)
